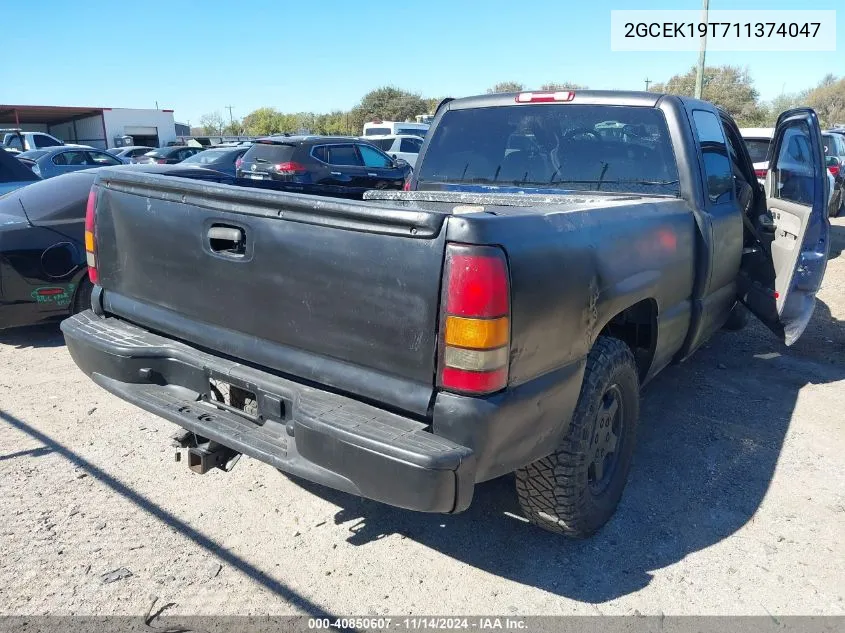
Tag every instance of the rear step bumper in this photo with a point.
(320, 436)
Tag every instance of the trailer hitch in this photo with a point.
(205, 454)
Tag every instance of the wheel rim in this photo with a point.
(606, 440)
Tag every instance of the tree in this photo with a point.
(263, 121)
(212, 123)
(234, 128)
(388, 103)
(828, 100)
(730, 87)
(432, 103)
(566, 85)
(505, 86)
(333, 123)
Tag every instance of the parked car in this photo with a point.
(20, 141)
(500, 316)
(834, 150)
(14, 174)
(758, 142)
(128, 153)
(404, 146)
(218, 158)
(322, 165)
(55, 161)
(42, 249)
(168, 155)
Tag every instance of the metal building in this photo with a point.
(97, 127)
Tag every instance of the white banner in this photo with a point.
(760, 30)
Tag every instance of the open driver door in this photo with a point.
(782, 271)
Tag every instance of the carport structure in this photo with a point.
(85, 126)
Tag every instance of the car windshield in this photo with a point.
(829, 145)
(377, 131)
(159, 153)
(34, 154)
(566, 146)
(758, 148)
(208, 156)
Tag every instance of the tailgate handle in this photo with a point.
(228, 240)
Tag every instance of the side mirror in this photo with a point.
(400, 162)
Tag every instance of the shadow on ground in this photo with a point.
(225, 555)
(47, 335)
(710, 435)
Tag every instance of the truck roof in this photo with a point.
(597, 97)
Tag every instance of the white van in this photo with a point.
(380, 128)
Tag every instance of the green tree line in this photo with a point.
(730, 87)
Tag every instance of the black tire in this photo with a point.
(562, 493)
(737, 319)
(82, 298)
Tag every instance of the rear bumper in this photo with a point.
(320, 436)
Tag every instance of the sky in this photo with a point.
(200, 57)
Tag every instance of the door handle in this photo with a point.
(335, 173)
(227, 240)
(372, 175)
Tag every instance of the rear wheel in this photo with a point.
(82, 298)
(575, 490)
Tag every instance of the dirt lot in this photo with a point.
(736, 504)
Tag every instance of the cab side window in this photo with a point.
(717, 164)
(794, 181)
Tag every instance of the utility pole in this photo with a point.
(699, 75)
(647, 82)
(231, 118)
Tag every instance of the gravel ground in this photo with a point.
(736, 505)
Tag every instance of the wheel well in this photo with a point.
(637, 327)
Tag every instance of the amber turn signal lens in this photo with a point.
(477, 333)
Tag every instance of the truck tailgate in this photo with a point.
(344, 294)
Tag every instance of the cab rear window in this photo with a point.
(566, 147)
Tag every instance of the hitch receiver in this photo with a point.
(203, 458)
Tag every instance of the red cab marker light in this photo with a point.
(545, 97)
(760, 173)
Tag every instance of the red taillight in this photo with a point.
(289, 168)
(545, 97)
(475, 324)
(478, 284)
(162, 161)
(760, 173)
(239, 162)
(90, 235)
(834, 170)
(407, 185)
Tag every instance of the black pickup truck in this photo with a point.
(555, 251)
